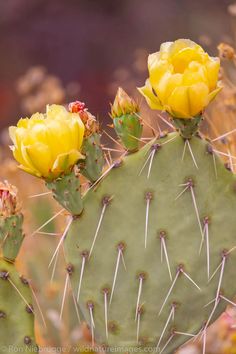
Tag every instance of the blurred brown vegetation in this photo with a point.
(94, 43)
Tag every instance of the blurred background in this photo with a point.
(57, 51)
(88, 47)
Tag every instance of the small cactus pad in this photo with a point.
(16, 312)
(129, 129)
(67, 191)
(93, 164)
(11, 235)
(155, 244)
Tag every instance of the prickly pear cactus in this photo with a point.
(151, 245)
(11, 235)
(16, 309)
(94, 160)
(66, 190)
(155, 244)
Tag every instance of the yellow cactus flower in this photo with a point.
(183, 79)
(47, 145)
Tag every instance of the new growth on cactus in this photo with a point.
(126, 120)
(151, 244)
(91, 167)
(11, 219)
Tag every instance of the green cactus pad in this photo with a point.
(129, 129)
(11, 236)
(93, 164)
(128, 207)
(67, 191)
(16, 314)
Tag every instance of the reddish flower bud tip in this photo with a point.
(9, 204)
(77, 107)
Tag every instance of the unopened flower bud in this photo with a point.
(90, 122)
(123, 104)
(9, 204)
(126, 120)
(77, 107)
(226, 51)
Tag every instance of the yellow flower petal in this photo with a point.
(189, 101)
(27, 161)
(12, 134)
(40, 157)
(166, 85)
(60, 137)
(182, 59)
(212, 70)
(213, 94)
(65, 161)
(23, 123)
(18, 155)
(195, 73)
(178, 102)
(151, 99)
(181, 44)
(18, 136)
(30, 122)
(198, 98)
(165, 49)
(157, 68)
(39, 133)
(56, 111)
(77, 135)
